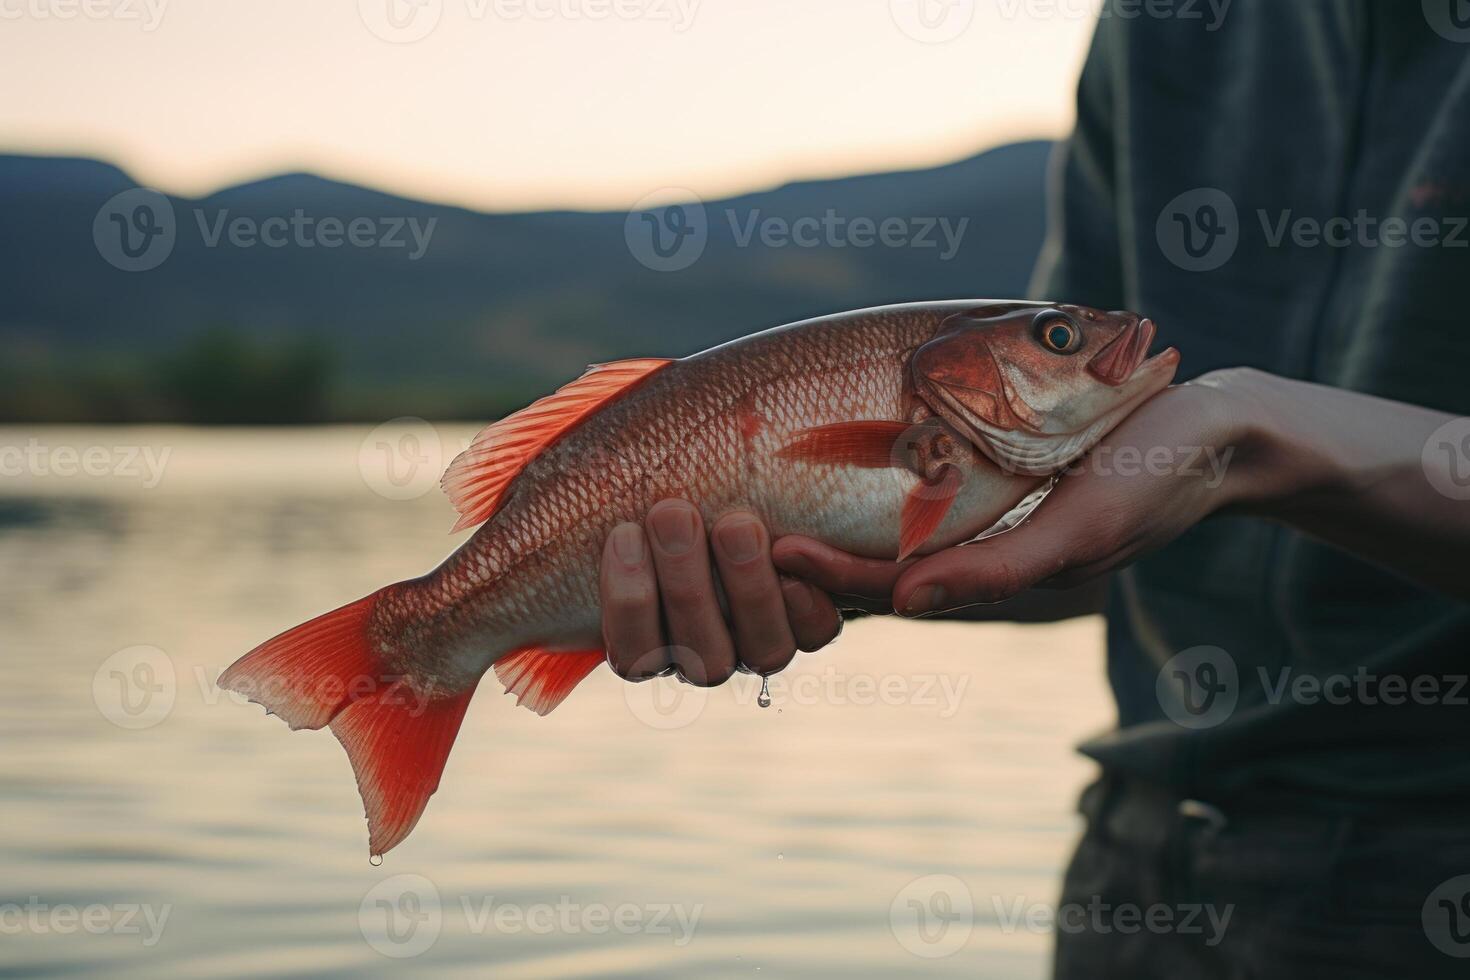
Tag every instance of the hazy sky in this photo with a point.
(530, 103)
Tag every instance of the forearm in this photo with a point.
(1349, 469)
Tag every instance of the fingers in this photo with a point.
(837, 572)
(763, 638)
(814, 619)
(700, 644)
(630, 611)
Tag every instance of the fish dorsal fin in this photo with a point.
(477, 479)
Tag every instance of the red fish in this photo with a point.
(887, 432)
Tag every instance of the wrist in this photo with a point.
(1267, 468)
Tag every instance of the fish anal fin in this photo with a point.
(477, 479)
(541, 679)
(924, 509)
(872, 444)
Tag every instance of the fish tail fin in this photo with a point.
(329, 671)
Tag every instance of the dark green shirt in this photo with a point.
(1315, 109)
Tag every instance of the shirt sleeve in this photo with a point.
(1082, 259)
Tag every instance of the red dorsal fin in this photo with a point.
(869, 444)
(925, 508)
(542, 679)
(477, 479)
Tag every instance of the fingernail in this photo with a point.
(738, 538)
(926, 598)
(673, 529)
(627, 543)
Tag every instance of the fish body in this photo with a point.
(885, 432)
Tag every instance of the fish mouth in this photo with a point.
(1122, 356)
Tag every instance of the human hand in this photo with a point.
(665, 567)
(1166, 467)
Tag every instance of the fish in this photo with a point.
(888, 432)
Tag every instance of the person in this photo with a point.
(1287, 642)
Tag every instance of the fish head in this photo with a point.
(1034, 386)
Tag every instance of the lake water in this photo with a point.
(908, 795)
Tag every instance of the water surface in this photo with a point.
(158, 827)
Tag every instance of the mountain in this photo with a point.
(479, 311)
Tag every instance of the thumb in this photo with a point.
(1059, 534)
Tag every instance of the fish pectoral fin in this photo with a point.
(870, 444)
(541, 679)
(924, 509)
(477, 479)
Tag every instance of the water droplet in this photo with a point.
(764, 699)
(376, 860)
(781, 856)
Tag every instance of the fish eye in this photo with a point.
(1058, 334)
